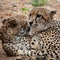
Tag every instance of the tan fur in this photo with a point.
(44, 21)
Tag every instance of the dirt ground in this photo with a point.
(13, 7)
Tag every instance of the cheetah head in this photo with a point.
(40, 18)
(13, 26)
(10, 25)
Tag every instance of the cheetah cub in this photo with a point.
(11, 33)
(47, 30)
(40, 19)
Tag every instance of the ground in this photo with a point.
(13, 7)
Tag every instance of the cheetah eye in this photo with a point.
(38, 16)
(13, 24)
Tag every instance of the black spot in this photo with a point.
(56, 54)
(34, 52)
(42, 51)
(25, 44)
(38, 54)
(54, 46)
(45, 54)
(34, 40)
(21, 48)
(51, 55)
(37, 58)
(58, 46)
(49, 46)
(48, 41)
(32, 43)
(52, 35)
(47, 51)
(30, 15)
(38, 16)
(46, 44)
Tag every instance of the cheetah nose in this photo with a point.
(30, 23)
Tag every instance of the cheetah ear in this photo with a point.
(53, 13)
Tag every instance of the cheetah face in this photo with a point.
(10, 25)
(40, 18)
(13, 28)
(15, 25)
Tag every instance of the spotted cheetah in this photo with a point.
(46, 33)
(11, 35)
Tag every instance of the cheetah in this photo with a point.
(11, 35)
(46, 33)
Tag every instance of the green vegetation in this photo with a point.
(24, 9)
(38, 2)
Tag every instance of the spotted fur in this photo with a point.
(46, 34)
